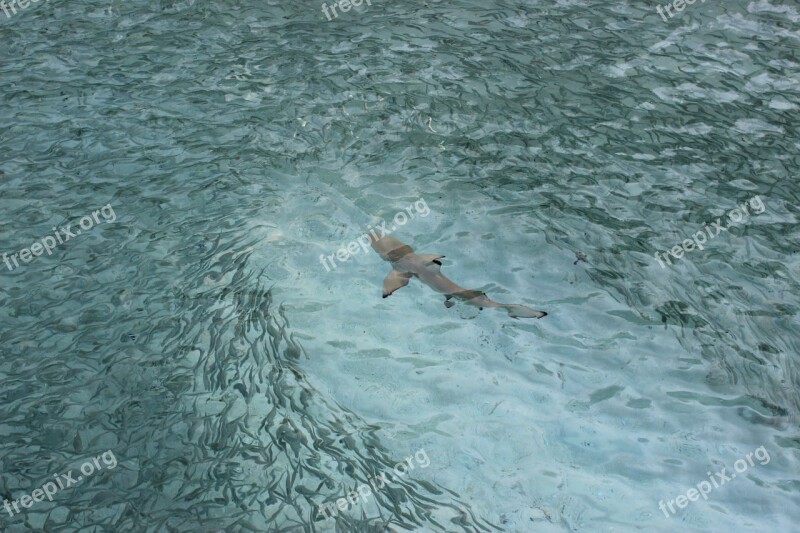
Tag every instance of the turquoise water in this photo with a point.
(190, 346)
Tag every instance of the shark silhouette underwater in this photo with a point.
(407, 264)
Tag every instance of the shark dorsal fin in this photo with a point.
(431, 258)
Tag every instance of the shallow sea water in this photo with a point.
(558, 146)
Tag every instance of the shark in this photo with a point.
(407, 264)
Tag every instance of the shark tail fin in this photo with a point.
(395, 280)
(521, 311)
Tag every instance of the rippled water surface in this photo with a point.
(211, 152)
